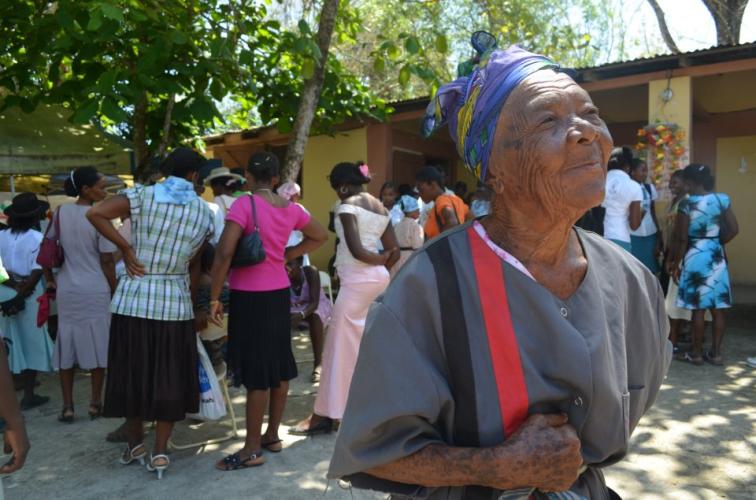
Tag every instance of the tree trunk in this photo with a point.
(310, 93)
(139, 138)
(728, 17)
(666, 35)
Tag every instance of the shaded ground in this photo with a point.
(698, 442)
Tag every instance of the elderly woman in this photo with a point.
(501, 361)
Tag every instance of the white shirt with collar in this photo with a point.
(621, 191)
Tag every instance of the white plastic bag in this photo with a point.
(211, 406)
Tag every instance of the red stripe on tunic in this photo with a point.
(505, 353)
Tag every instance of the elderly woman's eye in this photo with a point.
(547, 119)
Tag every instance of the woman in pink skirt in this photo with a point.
(361, 223)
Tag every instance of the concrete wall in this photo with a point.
(321, 154)
(736, 176)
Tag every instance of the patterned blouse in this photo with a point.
(165, 237)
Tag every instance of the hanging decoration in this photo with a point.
(664, 144)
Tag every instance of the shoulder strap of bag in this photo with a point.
(254, 212)
(55, 224)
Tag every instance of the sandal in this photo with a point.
(714, 360)
(159, 468)
(95, 411)
(273, 445)
(235, 461)
(315, 377)
(138, 452)
(66, 415)
(306, 428)
(687, 358)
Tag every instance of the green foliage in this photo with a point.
(406, 49)
(122, 62)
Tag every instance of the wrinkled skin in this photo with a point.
(547, 167)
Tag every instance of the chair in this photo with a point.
(325, 282)
(214, 332)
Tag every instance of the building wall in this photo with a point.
(736, 176)
(321, 154)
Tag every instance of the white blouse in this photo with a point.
(19, 251)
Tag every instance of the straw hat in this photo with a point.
(222, 172)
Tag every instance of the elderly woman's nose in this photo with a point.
(583, 131)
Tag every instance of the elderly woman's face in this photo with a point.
(551, 146)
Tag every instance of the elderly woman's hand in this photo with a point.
(549, 453)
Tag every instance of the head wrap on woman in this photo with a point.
(288, 189)
(471, 104)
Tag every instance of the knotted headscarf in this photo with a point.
(471, 104)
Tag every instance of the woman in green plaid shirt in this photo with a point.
(153, 352)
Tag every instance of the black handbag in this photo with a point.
(249, 250)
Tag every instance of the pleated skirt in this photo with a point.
(83, 331)
(152, 369)
(259, 339)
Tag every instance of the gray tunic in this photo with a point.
(431, 370)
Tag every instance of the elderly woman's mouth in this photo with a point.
(588, 165)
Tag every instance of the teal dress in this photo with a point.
(704, 281)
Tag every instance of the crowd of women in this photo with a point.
(133, 294)
(687, 251)
(142, 272)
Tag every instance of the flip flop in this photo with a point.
(235, 462)
(273, 446)
(687, 358)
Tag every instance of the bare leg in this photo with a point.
(697, 333)
(98, 377)
(30, 378)
(718, 316)
(256, 402)
(163, 432)
(317, 338)
(66, 386)
(135, 431)
(674, 330)
(275, 410)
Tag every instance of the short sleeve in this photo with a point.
(302, 216)
(724, 200)
(135, 196)
(104, 245)
(218, 224)
(35, 240)
(241, 213)
(635, 191)
(397, 399)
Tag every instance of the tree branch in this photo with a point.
(666, 35)
(310, 93)
(165, 137)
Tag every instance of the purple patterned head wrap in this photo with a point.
(471, 104)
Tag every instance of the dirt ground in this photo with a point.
(698, 442)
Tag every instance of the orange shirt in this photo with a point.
(432, 228)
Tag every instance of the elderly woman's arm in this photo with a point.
(100, 216)
(544, 453)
